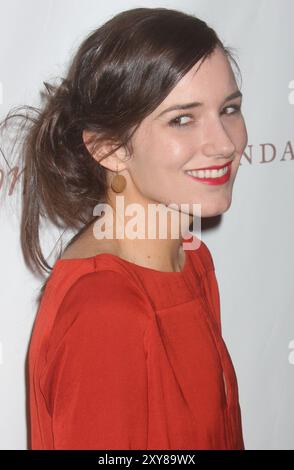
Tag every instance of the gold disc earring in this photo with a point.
(118, 183)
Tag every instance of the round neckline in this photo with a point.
(130, 263)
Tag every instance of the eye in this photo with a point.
(175, 122)
(236, 107)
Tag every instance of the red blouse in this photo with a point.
(127, 357)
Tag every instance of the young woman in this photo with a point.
(126, 350)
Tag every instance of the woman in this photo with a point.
(126, 350)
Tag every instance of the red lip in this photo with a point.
(212, 167)
(214, 181)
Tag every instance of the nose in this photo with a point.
(217, 142)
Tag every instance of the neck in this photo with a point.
(159, 231)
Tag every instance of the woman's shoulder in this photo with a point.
(84, 296)
(99, 278)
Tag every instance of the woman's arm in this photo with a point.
(95, 383)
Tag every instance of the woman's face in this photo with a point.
(166, 145)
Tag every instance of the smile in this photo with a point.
(214, 177)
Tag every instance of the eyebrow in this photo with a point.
(236, 94)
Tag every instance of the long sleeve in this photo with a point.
(95, 383)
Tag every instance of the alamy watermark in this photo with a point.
(162, 221)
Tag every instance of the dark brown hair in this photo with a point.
(120, 73)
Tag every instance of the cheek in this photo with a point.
(163, 157)
(160, 152)
(173, 151)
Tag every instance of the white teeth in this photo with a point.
(208, 173)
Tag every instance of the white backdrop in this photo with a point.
(252, 243)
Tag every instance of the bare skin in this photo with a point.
(207, 135)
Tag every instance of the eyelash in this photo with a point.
(174, 123)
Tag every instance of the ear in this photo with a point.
(113, 162)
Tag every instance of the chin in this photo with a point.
(216, 210)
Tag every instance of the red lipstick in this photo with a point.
(214, 181)
(215, 167)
